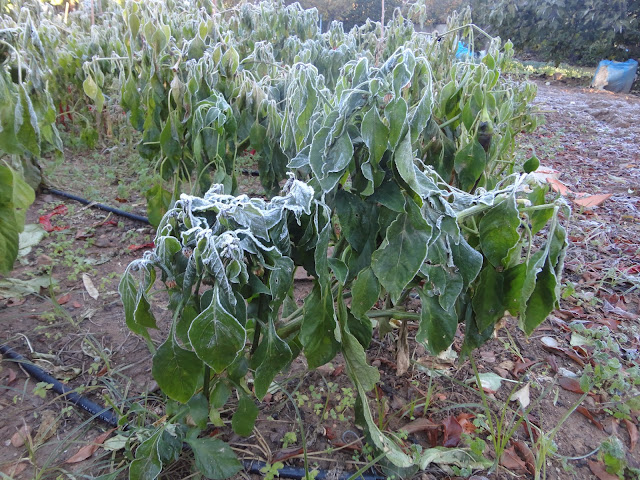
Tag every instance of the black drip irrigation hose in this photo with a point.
(101, 206)
(107, 416)
(101, 413)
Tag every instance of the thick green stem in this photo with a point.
(206, 381)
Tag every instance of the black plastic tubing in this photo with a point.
(101, 413)
(101, 206)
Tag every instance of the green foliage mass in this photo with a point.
(578, 31)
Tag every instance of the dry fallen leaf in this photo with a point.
(402, 354)
(452, 432)
(558, 186)
(585, 411)
(90, 287)
(570, 384)
(597, 468)
(525, 453)
(88, 450)
(592, 200)
(512, 461)
(14, 469)
(64, 299)
(48, 427)
(11, 376)
(19, 438)
(633, 434)
(522, 396)
(420, 425)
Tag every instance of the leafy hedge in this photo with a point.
(578, 31)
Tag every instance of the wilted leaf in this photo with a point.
(525, 453)
(48, 427)
(64, 299)
(452, 432)
(490, 382)
(512, 461)
(570, 384)
(85, 452)
(585, 411)
(633, 434)
(420, 425)
(13, 469)
(592, 200)
(402, 351)
(599, 470)
(522, 396)
(91, 289)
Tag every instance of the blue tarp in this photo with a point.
(615, 76)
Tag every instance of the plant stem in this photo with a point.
(206, 381)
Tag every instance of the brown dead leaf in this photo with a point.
(525, 453)
(14, 469)
(64, 299)
(512, 461)
(85, 452)
(592, 200)
(597, 468)
(464, 419)
(48, 427)
(420, 425)
(19, 438)
(585, 411)
(633, 434)
(521, 367)
(558, 186)
(286, 453)
(76, 304)
(570, 384)
(15, 302)
(402, 353)
(452, 432)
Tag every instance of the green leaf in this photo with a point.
(437, 325)
(26, 123)
(531, 165)
(142, 314)
(542, 300)
(199, 410)
(318, 326)
(488, 299)
(356, 361)
(176, 370)
(399, 258)
(358, 219)
(499, 231)
(271, 356)
(245, 416)
(129, 295)
(220, 394)
(147, 464)
(214, 458)
(539, 218)
(230, 61)
(365, 291)
(469, 164)
(396, 114)
(216, 336)
(339, 269)
(15, 197)
(158, 202)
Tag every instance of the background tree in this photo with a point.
(578, 31)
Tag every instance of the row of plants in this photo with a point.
(401, 180)
(388, 170)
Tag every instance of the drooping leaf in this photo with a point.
(271, 356)
(214, 458)
(176, 370)
(216, 336)
(245, 416)
(318, 326)
(158, 201)
(469, 163)
(437, 325)
(399, 258)
(499, 231)
(365, 291)
(488, 300)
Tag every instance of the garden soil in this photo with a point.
(592, 141)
